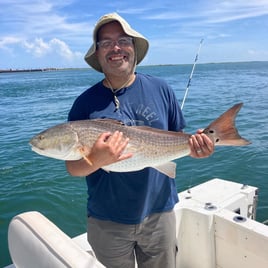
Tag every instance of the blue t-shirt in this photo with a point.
(128, 197)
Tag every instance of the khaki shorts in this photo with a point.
(152, 243)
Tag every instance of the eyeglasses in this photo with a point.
(121, 42)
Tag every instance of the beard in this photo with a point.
(118, 63)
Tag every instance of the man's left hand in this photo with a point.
(201, 145)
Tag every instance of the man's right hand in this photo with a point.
(108, 149)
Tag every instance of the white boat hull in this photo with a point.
(216, 228)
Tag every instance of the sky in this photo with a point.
(57, 34)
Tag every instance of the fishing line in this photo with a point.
(191, 75)
(185, 96)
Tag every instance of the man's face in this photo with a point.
(119, 57)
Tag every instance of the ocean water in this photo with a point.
(31, 102)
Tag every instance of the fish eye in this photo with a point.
(41, 137)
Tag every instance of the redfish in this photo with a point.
(150, 147)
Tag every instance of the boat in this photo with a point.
(216, 228)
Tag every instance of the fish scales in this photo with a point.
(146, 145)
(150, 147)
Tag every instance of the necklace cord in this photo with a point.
(116, 100)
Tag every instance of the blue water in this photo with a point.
(31, 102)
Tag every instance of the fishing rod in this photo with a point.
(191, 75)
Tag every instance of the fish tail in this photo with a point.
(223, 131)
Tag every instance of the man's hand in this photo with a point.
(109, 149)
(201, 145)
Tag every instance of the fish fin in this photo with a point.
(84, 152)
(223, 131)
(168, 169)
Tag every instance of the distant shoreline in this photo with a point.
(28, 70)
(70, 68)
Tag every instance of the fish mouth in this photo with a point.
(37, 149)
(55, 153)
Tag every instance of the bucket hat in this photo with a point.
(140, 42)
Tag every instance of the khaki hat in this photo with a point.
(140, 42)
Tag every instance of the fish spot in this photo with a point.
(217, 140)
(211, 131)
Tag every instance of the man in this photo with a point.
(130, 215)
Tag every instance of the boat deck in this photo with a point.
(216, 228)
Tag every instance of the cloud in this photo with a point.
(227, 11)
(41, 53)
(39, 48)
(258, 53)
(217, 11)
(59, 32)
(8, 40)
(132, 11)
(26, 19)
